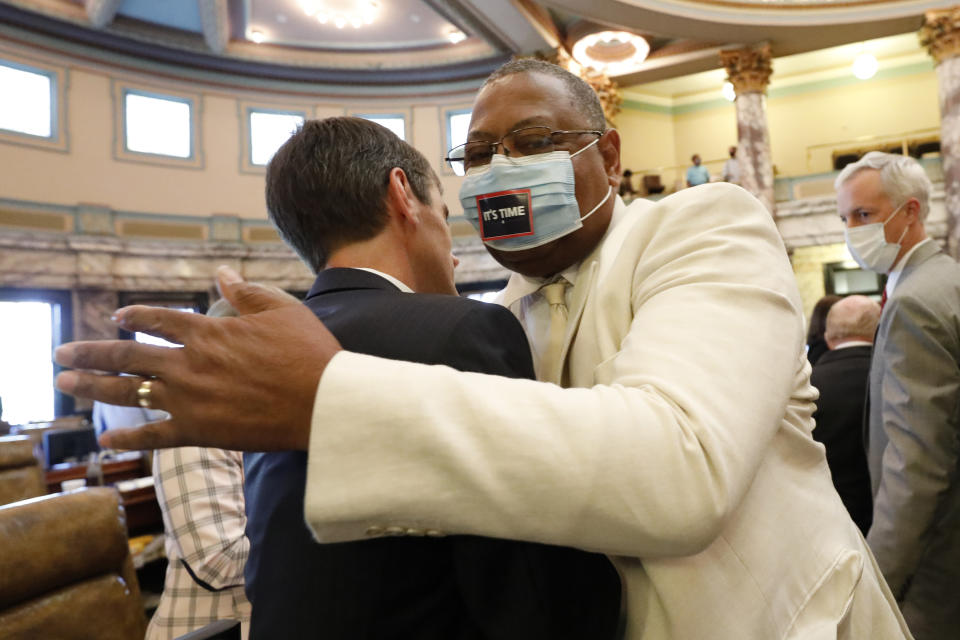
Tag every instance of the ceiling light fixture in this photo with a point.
(356, 13)
(728, 91)
(865, 66)
(611, 52)
(454, 35)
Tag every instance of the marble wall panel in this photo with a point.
(94, 263)
(36, 262)
(95, 219)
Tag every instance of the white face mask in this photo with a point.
(869, 247)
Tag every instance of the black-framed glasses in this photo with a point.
(527, 141)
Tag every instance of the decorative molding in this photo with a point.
(250, 61)
(748, 69)
(940, 33)
(101, 12)
(671, 106)
(214, 16)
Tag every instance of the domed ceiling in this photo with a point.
(423, 47)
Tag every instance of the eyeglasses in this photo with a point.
(527, 141)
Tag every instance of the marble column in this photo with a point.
(940, 34)
(92, 310)
(749, 71)
(91, 321)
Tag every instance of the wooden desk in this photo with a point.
(140, 505)
(126, 466)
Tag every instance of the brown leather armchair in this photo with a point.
(21, 475)
(67, 571)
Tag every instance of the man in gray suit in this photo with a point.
(913, 430)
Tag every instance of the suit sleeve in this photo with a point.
(651, 461)
(921, 401)
(489, 339)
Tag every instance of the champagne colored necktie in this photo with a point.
(555, 294)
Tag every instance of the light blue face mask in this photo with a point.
(522, 203)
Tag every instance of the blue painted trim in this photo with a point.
(636, 105)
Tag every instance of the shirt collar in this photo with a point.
(853, 343)
(894, 275)
(389, 278)
(520, 286)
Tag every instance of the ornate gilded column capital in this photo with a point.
(940, 33)
(748, 69)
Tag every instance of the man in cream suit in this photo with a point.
(914, 405)
(677, 442)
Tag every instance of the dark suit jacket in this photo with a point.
(458, 587)
(841, 376)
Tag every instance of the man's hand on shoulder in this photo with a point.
(245, 383)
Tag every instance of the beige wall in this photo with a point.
(90, 171)
(646, 140)
(879, 107)
(817, 117)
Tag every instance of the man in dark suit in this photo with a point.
(841, 377)
(364, 210)
(913, 430)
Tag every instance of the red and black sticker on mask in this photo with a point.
(505, 214)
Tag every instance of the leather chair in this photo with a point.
(21, 475)
(67, 571)
(652, 184)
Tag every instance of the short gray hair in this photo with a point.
(852, 317)
(902, 178)
(582, 96)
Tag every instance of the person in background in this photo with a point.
(626, 191)
(841, 377)
(110, 416)
(816, 344)
(731, 168)
(913, 434)
(697, 174)
(200, 492)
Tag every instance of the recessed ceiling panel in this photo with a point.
(176, 14)
(397, 24)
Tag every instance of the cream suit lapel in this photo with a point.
(591, 268)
